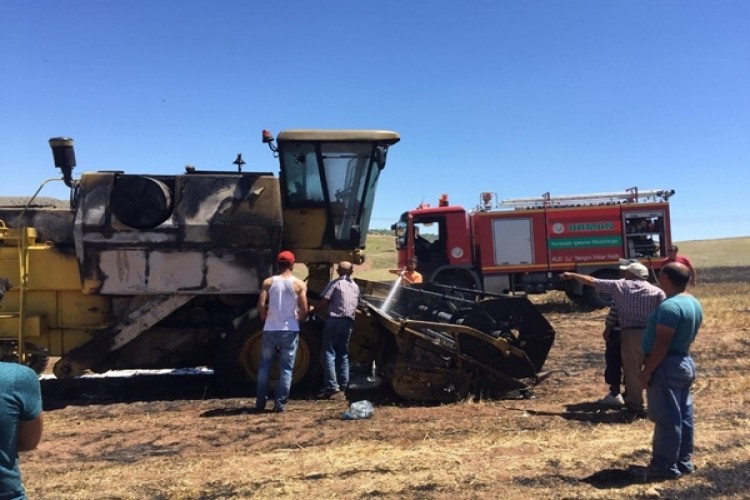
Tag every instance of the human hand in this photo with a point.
(644, 378)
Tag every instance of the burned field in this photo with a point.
(175, 437)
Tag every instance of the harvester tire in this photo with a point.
(238, 360)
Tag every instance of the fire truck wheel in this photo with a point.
(595, 299)
(238, 360)
(457, 278)
(579, 300)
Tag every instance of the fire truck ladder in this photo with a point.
(631, 195)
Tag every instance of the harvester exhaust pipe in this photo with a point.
(64, 156)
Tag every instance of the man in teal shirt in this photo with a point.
(668, 374)
(20, 419)
(20, 424)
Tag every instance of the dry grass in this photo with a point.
(558, 445)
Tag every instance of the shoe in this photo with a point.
(610, 400)
(636, 413)
(654, 475)
(329, 394)
(686, 470)
(650, 475)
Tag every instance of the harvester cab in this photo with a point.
(328, 180)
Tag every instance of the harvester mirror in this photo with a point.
(399, 229)
(64, 156)
(380, 154)
(355, 235)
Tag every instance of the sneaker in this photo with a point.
(611, 400)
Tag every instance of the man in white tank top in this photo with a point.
(282, 305)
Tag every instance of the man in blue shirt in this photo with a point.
(668, 374)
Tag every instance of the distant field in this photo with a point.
(729, 252)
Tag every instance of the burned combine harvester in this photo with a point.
(439, 343)
(164, 271)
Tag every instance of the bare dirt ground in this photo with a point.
(171, 437)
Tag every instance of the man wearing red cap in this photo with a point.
(282, 305)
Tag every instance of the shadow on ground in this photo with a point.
(59, 393)
(590, 412)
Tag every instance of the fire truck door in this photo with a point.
(512, 241)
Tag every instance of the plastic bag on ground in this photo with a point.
(359, 410)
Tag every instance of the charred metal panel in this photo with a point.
(441, 343)
(51, 224)
(220, 234)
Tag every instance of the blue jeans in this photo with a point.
(670, 407)
(335, 353)
(285, 342)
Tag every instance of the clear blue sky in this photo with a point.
(514, 97)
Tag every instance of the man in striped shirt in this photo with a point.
(635, 299)
(342, 297)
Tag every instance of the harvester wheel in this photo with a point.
(238, 360)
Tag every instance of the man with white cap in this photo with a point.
(635, 299)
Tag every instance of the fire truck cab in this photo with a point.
(524, 244)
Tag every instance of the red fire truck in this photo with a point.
(523, 244)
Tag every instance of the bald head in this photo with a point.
(674, 276)
(345, 268)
